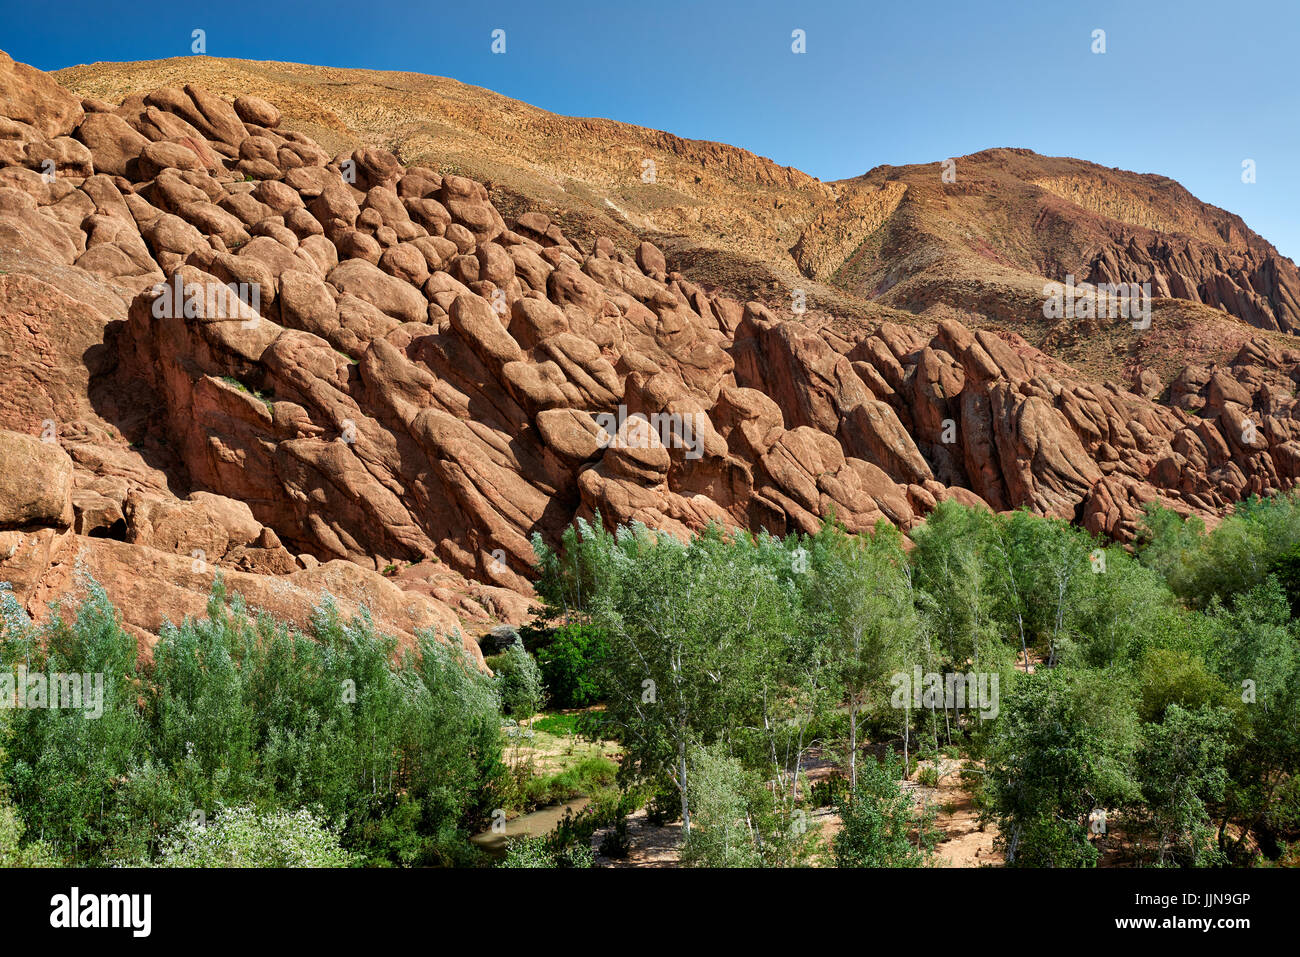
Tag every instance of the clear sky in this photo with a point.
(1188, 89)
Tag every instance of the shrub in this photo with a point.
(527, 852)
(241, 837)
(537, 852)
(877, 820)
(519, 682)
(14, 852)
(827, 791)
(664, 808)
(570, 664)
(727, 803)
(588, 776)
(616, 844)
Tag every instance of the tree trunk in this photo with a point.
(853, 746)
(1023, 648)
(686, 804)
(907, 731)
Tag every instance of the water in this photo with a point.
(537, 824)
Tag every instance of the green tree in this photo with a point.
(1255, 647)
(724, 827)
(1167, 677)
(860, 595)
(14, 850)
(402, 752)
(64, 764)
(701, 639)
(877, 821)
(739, 821)
(571, 662)
(519, 682)
(1181, 769)
(1287, 571)
(1238, 554)
(1063, 747)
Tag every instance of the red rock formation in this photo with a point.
(246, 356)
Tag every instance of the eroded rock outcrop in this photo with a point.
(340, 373)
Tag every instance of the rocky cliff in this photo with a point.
(234, 352)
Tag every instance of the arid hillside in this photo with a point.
(969, 236)
(592, 176)
(365, 333)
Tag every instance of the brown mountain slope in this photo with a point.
(893, 242)
(1052, 217)
(412, 384)
(588, 174)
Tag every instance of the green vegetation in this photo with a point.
(14, 850)
(1140, 706)
(570, 661)
(586, 776)
(559, 725)
(263, 397)
(737, 820)
(878, 821)
(529, 852)
(569, 844)
(400, 754)
(519, 682)
(1153, 694)
(241, 837)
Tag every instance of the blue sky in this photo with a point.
(1188, 89)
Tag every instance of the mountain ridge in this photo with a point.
(424, 367)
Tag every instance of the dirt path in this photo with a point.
(964, 843)
(650, 846)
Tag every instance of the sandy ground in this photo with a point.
(651, 846)
(964, 843)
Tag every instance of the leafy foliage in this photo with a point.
(1063, 748)
(877, 820)
(571, 662)
(519, 682)
(400, 751)
(1157, 692)
(241, 837)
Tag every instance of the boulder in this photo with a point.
(35, 483)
